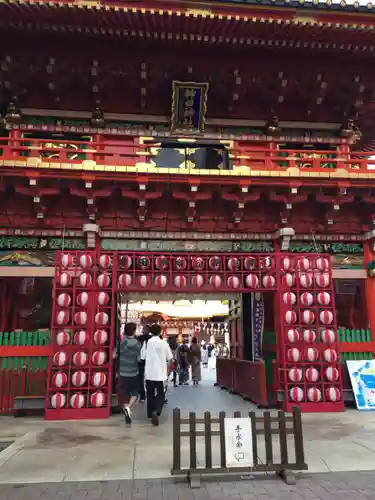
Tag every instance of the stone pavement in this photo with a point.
(331, 486)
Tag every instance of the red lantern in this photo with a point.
(268, 281)
(161, 263)
(332, 374)
(330, 355)
(81, 337)
(322, 264)
(83, 299)
(59, 379)
(64, 300)
(306, 280)
(105, 261)
(101, 318)
(328, 336)
(180, 263)
(97, 399)
(104, 280)
(215, 281)
(324, 298)
(79, 378)
(288, 280)
(144, 281)
(65, 280)
(99, 379)
(233, 282)
(124, 281)
(85, 280)
(307, 298)
(66, 260)
(303, 264)
(290, 317)
(58, 400)
(125, 262)
(289, 298)
(180, 281)
(250, 263)
(214, 263)
(103, 298)
(252, 281)
(322, 279)
(100, 337)
(234, 264)
(326, 317)
(62, 317)
(161, 281)
(293, 335)
(309, 336)
(293, 354)
(99, 358)
(197, 263)
(308, 317)
(287, 264)
(80, 318)
(85, 261)
(296, 394)
(197, 281)
(77, 401)
(60, 358)
(312, 354)
(314, 395)
(62, 338)
(295, 375)
(333, 394)
(312, 374)
(80, 358)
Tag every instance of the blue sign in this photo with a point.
(189, 103)
(362, 377)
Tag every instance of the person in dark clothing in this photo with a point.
(130, 352)
(144, 338)
(183, 363)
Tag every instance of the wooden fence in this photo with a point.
(269, 454)
(15, 383)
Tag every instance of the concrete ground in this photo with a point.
(110, 450)
(329, 486)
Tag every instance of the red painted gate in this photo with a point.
(84, 315)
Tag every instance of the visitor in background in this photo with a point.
(210, 348)
(130, 350)
(173, 366)
(212, 359)
(204, 355)
(157, 355)
(195, 361)
(142, 339)
(183, 363)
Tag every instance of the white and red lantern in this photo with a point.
(312, 374)
(214, 263)
(250, 263)
(332, 374)
(268, 281)
(289, 298)
(233, 282)
(303, 264)
(295, 374)
(324, 298)
(252, 281)
(65, 280)
(60, 358)
(79, 378)
(215, 281)
(197, 281)
(125, 262)
(144, 281)
(322, 280)
(62, 338)
(180, 281)
(85, 261)
(59, 379)
(287, 264)
(197, 263)
(290, 317)
(314, 395)
(100, 337)
(85, 280)
(234, 264)
(97, 399)
(83, 299)
(80, 318)
(293, 354)
(80, 358)
(312, 354)
(66, 260)
(296, 394)
(330, 355)
(308, 317)
(328, 336)
(99, 379)
(306, 280)
(162, 263)
(77, 400)
(104, 280)
(105, 261)
(64, 300)
(103, 298)
(266, 263)
(101, 318)
(307, 298)
(58, 400)
(288, 280)
(322, 264)
(81, 338)
(326, 317)
(293, 335)
(99, 358)
(124, 280)
(143, 262)
(161, 281)
(309, 336)
(180, 263)
(62, 317)
(333, 394)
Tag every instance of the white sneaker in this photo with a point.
(128, 415)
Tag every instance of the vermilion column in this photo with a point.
(370, 288)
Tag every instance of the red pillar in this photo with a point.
(370, 288)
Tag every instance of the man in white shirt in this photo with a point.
(157, 355)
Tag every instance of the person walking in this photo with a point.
(130, 351)
(145, 337)
(183, 363)
(204, 355)
(157, 355)
(195, 361)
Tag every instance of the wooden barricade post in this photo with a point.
(272, 451)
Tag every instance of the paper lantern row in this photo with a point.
(311, 354)
(307, 317)
(81, 337)
(82, 299)
(77, 400)
(85, 261)
(305, 263)
(332, 394)
(85, 280)
(306, 280)
(327, 335)
(80, 358)
(312, 374)
(307, 298)
(81, 318)
(79, 378)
